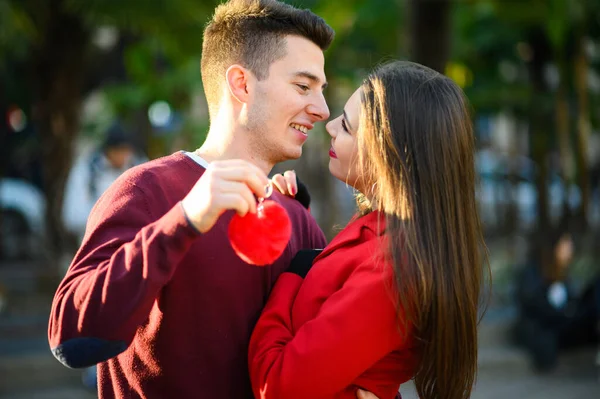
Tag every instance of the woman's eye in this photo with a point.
(344, 126)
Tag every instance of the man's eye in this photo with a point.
(303, 87)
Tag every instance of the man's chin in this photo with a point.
(297, 153)
(291, 154)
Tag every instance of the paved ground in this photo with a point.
(58, 393)
(28, 370)
(575, 378)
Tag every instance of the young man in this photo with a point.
(156, 294)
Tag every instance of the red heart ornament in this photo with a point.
(260, 238)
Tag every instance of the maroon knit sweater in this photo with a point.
(165, 311)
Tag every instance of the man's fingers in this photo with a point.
(239, 164)
(234, 187)
(361, 394)
(255, 179)
(229, 187)
(236, 202)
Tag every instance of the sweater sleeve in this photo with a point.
(127, 257)
(356, 327)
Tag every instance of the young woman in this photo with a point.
(395, 295)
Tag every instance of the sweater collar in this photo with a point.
(197, 158)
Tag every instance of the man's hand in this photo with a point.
(360, 394)
(225, 185)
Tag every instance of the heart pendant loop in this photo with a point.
(268, 193)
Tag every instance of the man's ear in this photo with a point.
(237, 81)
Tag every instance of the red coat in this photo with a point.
(337, 330)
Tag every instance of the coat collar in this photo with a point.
(373, 221)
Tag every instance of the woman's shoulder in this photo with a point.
(356, 259)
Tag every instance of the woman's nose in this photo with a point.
(330, 128)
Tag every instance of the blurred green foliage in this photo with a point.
(157, 46)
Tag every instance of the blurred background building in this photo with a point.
(70, 68)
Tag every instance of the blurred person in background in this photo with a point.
(551, 314)
(93, 173)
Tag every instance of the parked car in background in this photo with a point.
(22, 223)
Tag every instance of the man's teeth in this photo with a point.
(303, 129)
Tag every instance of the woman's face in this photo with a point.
(343, 154)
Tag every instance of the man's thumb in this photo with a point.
(362, 394)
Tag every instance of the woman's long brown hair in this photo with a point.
(416, 142)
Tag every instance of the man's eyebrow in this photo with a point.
(347, 122)
(312, 77)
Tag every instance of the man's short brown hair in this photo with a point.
(252, 33)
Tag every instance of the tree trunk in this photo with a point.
(430, 38)
(563, 133)
(583, 128)
(538, 127)
(58, 76)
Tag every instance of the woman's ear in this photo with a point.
(237, 81)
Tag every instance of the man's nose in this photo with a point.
(318, 108)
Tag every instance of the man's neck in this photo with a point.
(229, 145)
(227, 139)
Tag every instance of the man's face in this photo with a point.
(285, 106)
